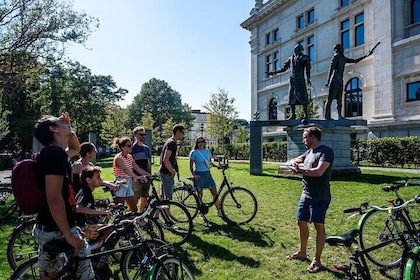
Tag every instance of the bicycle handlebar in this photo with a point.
(416, 199)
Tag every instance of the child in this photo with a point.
(88, 218)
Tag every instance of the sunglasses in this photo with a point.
(129, 145)
(201, 142)
(141, 134)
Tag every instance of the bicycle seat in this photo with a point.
(343, 240)
(54, 247)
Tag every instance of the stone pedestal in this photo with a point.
(335, 134)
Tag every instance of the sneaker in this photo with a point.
(169, 225)
(219, 213)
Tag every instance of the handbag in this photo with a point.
(208, 163)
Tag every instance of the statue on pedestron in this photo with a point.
(299, 64)
(335, 78)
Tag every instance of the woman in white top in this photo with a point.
(200, 156)
(122, 167)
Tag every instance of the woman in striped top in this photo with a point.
(122, 167)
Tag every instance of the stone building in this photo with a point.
(383, 89)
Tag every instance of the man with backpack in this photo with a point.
(57, 218)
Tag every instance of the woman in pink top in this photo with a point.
(122, 167)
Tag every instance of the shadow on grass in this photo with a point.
(251, 235)
(212, 250)
(374, 179)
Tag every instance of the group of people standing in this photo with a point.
(69, 187)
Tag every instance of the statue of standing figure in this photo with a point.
(299, 64)
(335, 78)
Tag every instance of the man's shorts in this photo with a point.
(125, 190)
(141, 189)
(312, 210)
(167, 185)
(49, 265)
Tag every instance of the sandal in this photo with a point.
(314, 267)
(296, 256)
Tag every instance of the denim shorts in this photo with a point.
(125, 190)
(168, 183)
(312, 210)
(50, 265)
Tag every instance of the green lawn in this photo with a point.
(258, 250)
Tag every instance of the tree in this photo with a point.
(114, 124)
(163, 103)
(42, 27)
(222, 114)
(4, 124)
(241, 135)
(159, 99)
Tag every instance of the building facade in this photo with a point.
(199, 125)
(383, 89)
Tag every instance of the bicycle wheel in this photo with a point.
(412, 266)
(187, 198)
(170, 268)
(8, 206)
(238, 205)
(175, 220)
(151, 229)
(132, 263)
(22, 245)
(27, 270)
(376, 228)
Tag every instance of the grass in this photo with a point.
(258, 250)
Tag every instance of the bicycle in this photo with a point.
(358, 267)
(375, 228)
(21, 246)
(238, 205)
(141, 257)
(173, 217)
(8, 204)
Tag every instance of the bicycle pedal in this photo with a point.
(341, 267)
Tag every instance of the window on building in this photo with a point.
(276, 63)
(344, 2)
(359, 31)
(300, 21)
(272, 110)
(276, 35)
(311, 47)
(413, 91)
(268, 64)
(415, 11)
(310, 16)
(268, 39)
(354, 98)
(345, 34)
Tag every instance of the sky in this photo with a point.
(196, 46)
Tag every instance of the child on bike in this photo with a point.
(88, 218)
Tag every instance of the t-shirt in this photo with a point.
(85, 197)
(318, 187)
(53, 160)
(141, 156)
(199, 159)
(169, 145)
(128, 162)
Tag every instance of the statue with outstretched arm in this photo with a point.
(299, 65)
(335, 78)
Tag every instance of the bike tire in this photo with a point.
(173, 213)
(8, 205)
(238, 205)
(412, 266)
(27, 270)
(176, 268)
(132, 264)
(376, 228)
(187, 198)
(21, 246)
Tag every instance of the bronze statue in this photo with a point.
(298, 63)
(335, 78)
